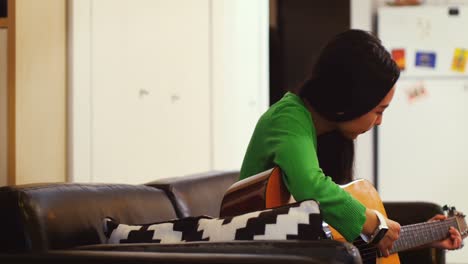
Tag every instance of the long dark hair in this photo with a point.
(352, 75)
(336, 156)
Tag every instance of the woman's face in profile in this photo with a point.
(353, 128)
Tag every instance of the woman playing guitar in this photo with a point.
(346, 94)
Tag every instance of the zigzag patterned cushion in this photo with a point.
(299, 221)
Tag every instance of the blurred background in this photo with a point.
(135, 90)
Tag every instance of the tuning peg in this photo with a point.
(449, 210)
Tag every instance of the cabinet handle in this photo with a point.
(175, 97)
(143, 92)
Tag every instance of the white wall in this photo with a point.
(3, 107)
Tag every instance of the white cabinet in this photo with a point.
(150, 89)
(164, 88)
(240, 88)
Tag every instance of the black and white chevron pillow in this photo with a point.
(297, 221)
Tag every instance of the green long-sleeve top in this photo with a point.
(285, 136)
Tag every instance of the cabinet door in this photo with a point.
(150, 89)
(240, 76)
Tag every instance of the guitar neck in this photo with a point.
(412, 236)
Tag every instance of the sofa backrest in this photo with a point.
(197, 194)
(58, 216)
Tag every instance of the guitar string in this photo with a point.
(370, 252)
(420, 234)
(369, 256)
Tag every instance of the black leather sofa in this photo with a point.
(54, 223)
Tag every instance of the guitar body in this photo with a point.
(266, 190)
(258, 192)
(365, 192)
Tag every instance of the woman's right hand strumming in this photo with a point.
(370, 229)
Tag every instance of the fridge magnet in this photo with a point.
(398, 56)
(416, 92)
(459, 60)
(403, 2)
(425, 59)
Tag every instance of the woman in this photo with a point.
(349, 89)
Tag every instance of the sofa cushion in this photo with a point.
(58, 216)
(198, 194)
(298, 221)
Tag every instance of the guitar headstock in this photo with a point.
(459, 217)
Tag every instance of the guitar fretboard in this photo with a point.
(411, 236)
(416, 235)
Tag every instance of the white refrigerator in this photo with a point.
(423, 141)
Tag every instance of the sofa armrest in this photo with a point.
(320, 251)
(122, 257)
(268, 252)
(40, 217)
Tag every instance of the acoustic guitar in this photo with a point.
(266, 190)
